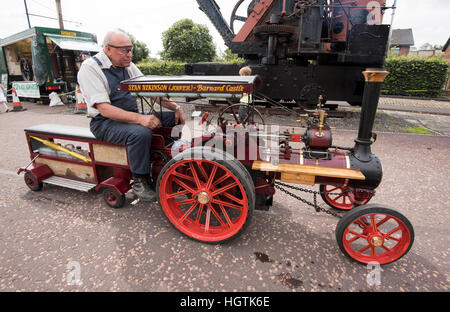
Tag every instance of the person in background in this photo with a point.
(245, 71)
(3, 100)
(85, 55)
(246, 98)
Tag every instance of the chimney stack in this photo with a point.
(374, 79)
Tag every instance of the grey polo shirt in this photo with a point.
(93, 82)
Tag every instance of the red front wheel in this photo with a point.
(207, 199)
(340, 197)
(374, 234)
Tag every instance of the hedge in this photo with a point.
(162, 68)
(410, 76)
(172, 68)
(415, 76)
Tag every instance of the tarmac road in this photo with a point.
(65, 240)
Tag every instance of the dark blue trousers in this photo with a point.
(137, 138)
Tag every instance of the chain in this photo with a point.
(279, 185)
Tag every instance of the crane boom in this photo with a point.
(212, 11)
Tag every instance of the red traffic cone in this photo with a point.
(81, 107)
(17, 106)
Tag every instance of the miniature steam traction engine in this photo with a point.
(209, 188)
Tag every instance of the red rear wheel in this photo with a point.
(112, 198)
(340, 197)
(32, 182)
(205, 199)
(372, 233)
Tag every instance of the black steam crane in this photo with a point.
(304, 48)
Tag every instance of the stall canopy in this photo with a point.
(74, 43)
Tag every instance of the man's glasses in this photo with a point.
(122, 49)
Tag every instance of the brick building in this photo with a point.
(403, 40)
(446, 51)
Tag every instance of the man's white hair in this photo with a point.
(110, 36)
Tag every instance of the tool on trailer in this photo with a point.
(62, 149)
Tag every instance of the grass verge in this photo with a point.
(418, 130)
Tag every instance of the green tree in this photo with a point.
(188, 42)
(228, 57)
(140, 50)
(429, 46)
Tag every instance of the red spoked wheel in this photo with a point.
(207, 199)
(112, 198)
(374, 234)
(340, 197)
(32, 182)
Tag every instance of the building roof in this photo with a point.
(30, 32)
(402, 37)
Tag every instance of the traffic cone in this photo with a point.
(81, 107)
(17, 106)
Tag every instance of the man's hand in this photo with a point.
(179, 116)
(109, 111)
(150, 121)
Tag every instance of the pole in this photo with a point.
(374, 79)
(60, 18)
(26, 12)
(390, 30)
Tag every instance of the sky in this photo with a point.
(148, 19)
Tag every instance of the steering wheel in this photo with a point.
(240, 114)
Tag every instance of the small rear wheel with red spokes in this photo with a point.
(32, 182)
(112, 198)
(206, 197)
(374, 234)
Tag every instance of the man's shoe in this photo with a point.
(142, 190)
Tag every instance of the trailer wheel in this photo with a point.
(32, 182)
(206, 197)
(112, 198)
(373, 233)
(344, 201)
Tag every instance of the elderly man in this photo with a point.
(116, 118)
